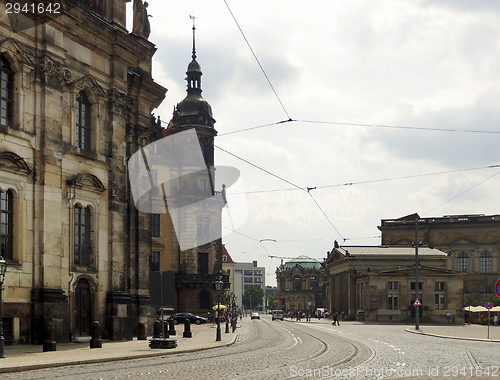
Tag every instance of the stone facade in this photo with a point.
(379, 283)
(301, 281)
(81, 99)
(472, 241)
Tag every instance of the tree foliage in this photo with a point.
(253, 296)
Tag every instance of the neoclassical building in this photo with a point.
(378, 283)
(302, 285)
(76, 102)
(471, 241)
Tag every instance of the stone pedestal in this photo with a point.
(119, 316)
(49, 304)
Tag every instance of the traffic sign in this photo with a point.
(497, 288)
(417, 303)
(488, 305)
(309, 303)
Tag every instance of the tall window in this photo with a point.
(154, 261)
(7, 93)
(83, 247)
(155, 225)
(202, 263)
(6, 224)
(313, 281)
(439, 297)
(203, 228)
(82, 121)
(463, 262)
(485, 264)
(392, 295)
(297, 283)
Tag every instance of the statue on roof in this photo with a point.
(141, 26)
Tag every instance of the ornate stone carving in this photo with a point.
(53, 73)
(120, 103)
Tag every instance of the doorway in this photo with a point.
(83, 308)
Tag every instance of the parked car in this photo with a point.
(255, 316)
(277, 314)
(181, 317)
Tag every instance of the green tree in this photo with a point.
(253, 296)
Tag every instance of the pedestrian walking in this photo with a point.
(335, 319)
(495, 320)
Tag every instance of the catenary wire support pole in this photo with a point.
(417, 310)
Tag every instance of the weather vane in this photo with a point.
(193, 17)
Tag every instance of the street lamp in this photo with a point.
(218, 286)
(3, 268)
(228, 309)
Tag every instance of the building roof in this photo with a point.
(228, 256)
(304, 262)
(356, 250)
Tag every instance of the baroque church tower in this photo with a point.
(194, 204)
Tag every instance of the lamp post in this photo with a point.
(3, 268)
(218, 286)
(228, 309)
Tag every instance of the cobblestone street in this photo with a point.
(284, 350)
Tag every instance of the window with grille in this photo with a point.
(155, 225)
(6, 93)
(83, 130)
(82, 244)
(485, 262)
(7, 224)
(463, 262)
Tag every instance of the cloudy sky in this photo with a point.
(346, 73)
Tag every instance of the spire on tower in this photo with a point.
(193, 17)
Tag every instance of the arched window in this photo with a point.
(6, 224)
(297, 283)
(204, 300)
(83, 130)
(82, 244)
(485, 292)
(313, 281)
(485, 263)
(463, 262)
(6, 93)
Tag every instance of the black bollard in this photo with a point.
(95, 330)
(49, 344)
(141, 331)
(234, 324)
(157, 329)
(187, 329)
(171, 327)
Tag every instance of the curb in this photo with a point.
(33, 367)
(452, 337)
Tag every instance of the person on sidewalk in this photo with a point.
(495, 320)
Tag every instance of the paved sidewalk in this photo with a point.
(30, 357)
(464, 332)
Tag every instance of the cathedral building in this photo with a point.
(76, 102)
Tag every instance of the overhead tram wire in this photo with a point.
(258, 62)
(463, 192)
(284, 180)
(363, 125)
(377, 180)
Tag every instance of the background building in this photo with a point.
(379, 283)
(301, 285)
(249, 274)
(472, 242)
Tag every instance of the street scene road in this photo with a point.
(287, 349)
